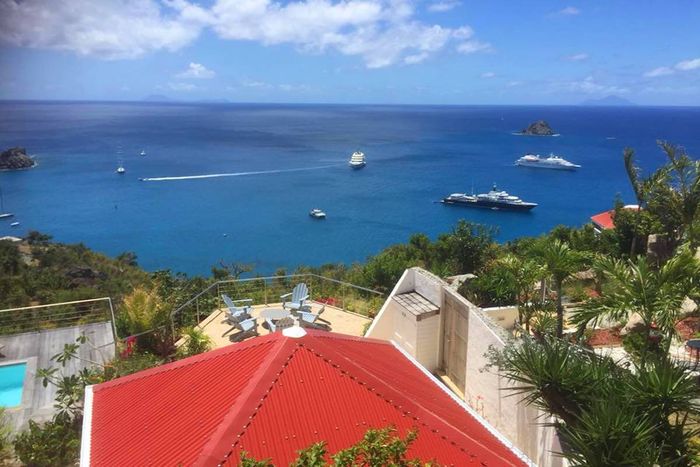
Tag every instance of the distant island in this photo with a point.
(157, 98)
(609, 101)
(15, 159)
(538, 128)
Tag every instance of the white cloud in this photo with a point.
(577, 57)
(569, 11)
(590, 86)
(488, 74)
(196, 71)
(380, 32)
(474, 46)
(443, 5)
(109, 29)
(181, 87)
(416, 58)
(687, 65)
(660, 71)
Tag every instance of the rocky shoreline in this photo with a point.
(16, 159)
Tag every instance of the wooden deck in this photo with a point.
(37, 348)
(335, 320)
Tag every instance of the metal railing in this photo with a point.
(267, 290)
(56, 315)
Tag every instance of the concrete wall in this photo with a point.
(504, 316)
(485, 390)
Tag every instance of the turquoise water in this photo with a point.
(11, 384)
(288, 159)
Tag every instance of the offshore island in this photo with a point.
(15, 159)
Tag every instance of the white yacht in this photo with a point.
(121, 170)
(550, 162)
(317, 214)
(142, 153)
(357, 160)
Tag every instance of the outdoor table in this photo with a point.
(275, 313)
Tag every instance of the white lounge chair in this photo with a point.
(247, 327)
(237, 309)
(307, 318)
(295, 300)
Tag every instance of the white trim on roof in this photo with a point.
(466, 407)
(87, 429)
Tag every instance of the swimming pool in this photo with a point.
(11, 383)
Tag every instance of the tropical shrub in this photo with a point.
(51, 444)
(196, 342)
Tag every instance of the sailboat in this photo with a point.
(142, 153)
(3, 214)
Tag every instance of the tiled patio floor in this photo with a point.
(336, 320)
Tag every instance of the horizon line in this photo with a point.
(227, 102)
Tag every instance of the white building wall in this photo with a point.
(485, 390)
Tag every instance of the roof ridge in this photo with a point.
(247, 404)
(204, 356)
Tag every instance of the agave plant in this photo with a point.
(607, 415)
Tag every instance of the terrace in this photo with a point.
(347, 308)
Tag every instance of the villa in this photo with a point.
(413, 359)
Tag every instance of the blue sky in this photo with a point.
(353, 51)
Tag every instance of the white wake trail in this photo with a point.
(234, 174)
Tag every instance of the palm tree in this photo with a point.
(523, 274)
(634, 286)
(678, 197)
(559, 262)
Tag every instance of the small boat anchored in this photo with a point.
(550, 162)
(317, 214)
(142, 153)
(121, 170)
(357, 160)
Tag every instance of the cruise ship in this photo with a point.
(495, 199)
(357, 160)
(551, 162)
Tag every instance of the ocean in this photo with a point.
(273, 163)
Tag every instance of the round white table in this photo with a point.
(275, 313)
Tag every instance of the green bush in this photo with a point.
(196, 342)
(50, 444)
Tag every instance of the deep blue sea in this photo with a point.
(415, 156)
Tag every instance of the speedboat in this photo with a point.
(357, 160)
(317, 214)
(495, 199)
(14, 224)
(550, 162)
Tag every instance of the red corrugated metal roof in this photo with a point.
(274, 395)
(604, 220)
